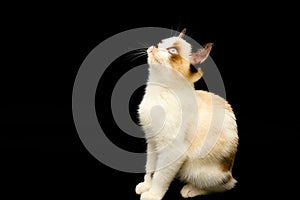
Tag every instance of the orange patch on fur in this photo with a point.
(182, 65)
(209, 105)
(226, 179)
(227, 162)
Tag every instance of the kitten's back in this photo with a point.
(216, 134)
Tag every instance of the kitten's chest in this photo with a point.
(159, 109)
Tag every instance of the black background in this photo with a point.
(43, 46)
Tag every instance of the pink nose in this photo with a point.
(152, 49)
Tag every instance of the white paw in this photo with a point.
(191, 191)
(149, 196)
(142, 187)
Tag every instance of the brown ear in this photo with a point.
(201, 54)
(182, 34)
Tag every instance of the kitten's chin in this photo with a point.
(153, 61)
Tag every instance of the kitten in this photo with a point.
(191, 134)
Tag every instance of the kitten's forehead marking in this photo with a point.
(170, 42)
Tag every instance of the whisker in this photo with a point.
(142, 48)
(136, 54)
(178, 29)
(132, 49)
(171, 31)
(133, 56)
(137, 51)
(139, 56)
(144, 44)
(147, 45)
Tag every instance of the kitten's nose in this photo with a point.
(152, 49)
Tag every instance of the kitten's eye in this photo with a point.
(173, 50)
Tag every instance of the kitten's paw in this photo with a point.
(142, 187)
(191, 191)
(149, 196)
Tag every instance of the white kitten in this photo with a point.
(190, 134)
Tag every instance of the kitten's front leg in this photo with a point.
(150, 168)
(165, 172)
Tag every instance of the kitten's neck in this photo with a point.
(162, 79)
(169, 77)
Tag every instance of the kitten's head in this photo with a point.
(177, 54)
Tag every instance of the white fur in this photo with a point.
(170, 116)
(185, 52)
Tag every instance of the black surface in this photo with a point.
(44, 46)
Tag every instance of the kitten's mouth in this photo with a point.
(153, 59)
